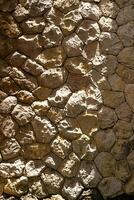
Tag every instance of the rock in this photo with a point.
(90, 11)
(125, 15)
(60, 96)
(120, 150)
(107, 117)
(69, 166)
(25, 97)
(110, 187)
(110, 43)
(60, 147)
(88, 122)
(124, 112)
(44, 130)
(8, 26)
(126, 58)
(117, 84)
(10, 170)
(126, 30)
(129, 94)
(16, 59)
(4, 68)
(40, 107)
(65, 5)
(55, 114)
(130, 159)
(16, 186)
(105, 163)
(70, 21)
(53, 181)
(3, 95)
(9, 127)
(25, 135)
(52, 161)
(105, 140)
(7, 105)
(53, 78)
(35, 151)
(10, 149)
(29, 45)
(122, 170)
(34, 168)
(129, 186)
(77, 82)
(33, 26)
(81, 145)
(78, 65)
(33, 68)
(42, 93)
(7, 6)
(107, 24)
(109, 8)
(91, 51)
(112, 98)
(123, 129)
(22, 114)
(88, 174)
(88, 31)
(71, 189)
(39, 7)
(126, 74)
(72, 45)
(20, 13)
(105, 65)
(6, 47)
(76, 104)
(98, 80)
(69, 129)
(28, 197)
(51, 36)
(37, 188)
(54, 16)
(56, 197)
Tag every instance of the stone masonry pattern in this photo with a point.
(66, 98)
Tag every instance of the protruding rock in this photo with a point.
(52, 180)
(44, 129)
(34, 168)
(126, 57)
(61, 147)
(40, 107)
(109, 8)
(23, 114)
(129, 94)
(7, 105)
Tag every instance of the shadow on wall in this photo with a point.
(66, 98)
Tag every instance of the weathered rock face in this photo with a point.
(66, 98)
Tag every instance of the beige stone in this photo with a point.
(35, 151)
(104, 140)
(66, 5)
(40, 107)
(110, 187)
(88, 31)
(69, 129)
(129, 186)
(44, 130)
(112, 98)
(117, 84)
(125, 73)
(70, 21)
(34, 168)
(90, 11)
(107, 117)
(55, 114)
(72, 45)
(16, 186)
(51, 36)
(125, 15)
(129, 94)
(123, 129)
(126, 57)
(41, 93)
(60, 147)
(20, 13)
(109, 8)
(124, 112)
(53, 181)
(108, 24)
(53, 78)
(7, 105)
(23, 114)
(122, 171)
(69, 166)
(52, 161)
(25, 96)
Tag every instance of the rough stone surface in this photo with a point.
(66, 99)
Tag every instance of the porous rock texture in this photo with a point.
(66, 98)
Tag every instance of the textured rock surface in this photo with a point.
(66, 98)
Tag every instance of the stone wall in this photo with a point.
(66, 97)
